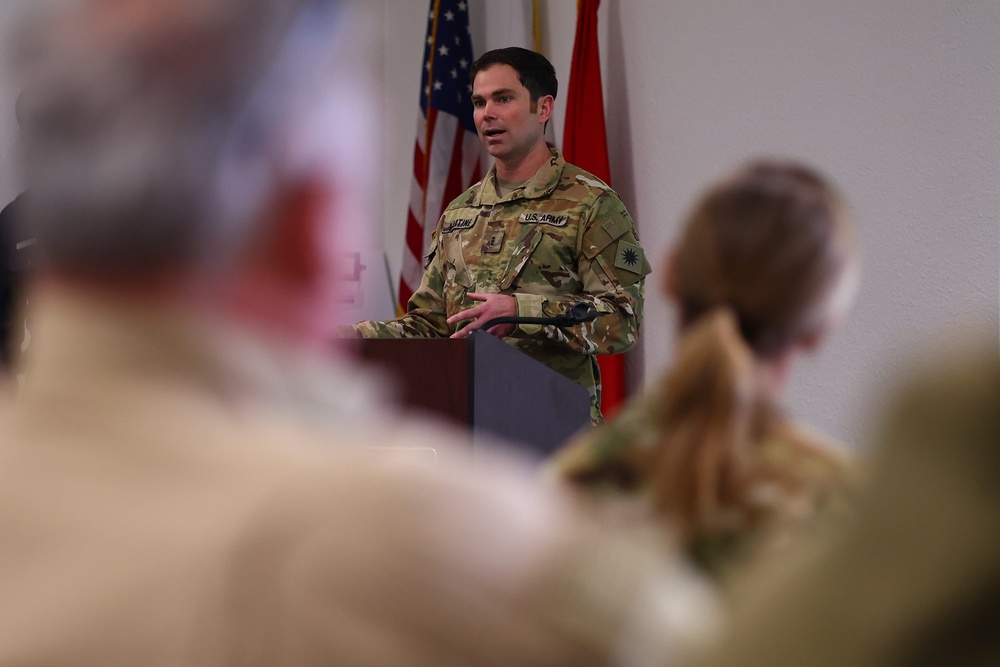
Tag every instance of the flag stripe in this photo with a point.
(455, 185)
(472, 158)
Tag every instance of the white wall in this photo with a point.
(896, 100)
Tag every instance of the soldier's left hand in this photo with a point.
(493, 305)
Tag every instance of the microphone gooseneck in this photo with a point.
(579, 313)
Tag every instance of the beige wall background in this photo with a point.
(897, 101)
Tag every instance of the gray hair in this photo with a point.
(159, 136)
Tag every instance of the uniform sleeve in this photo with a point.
(426, 314)
(612, 268)
(604, 458)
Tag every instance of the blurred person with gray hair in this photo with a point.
(16, 252)
(180, 478)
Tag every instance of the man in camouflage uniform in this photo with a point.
(532, 239)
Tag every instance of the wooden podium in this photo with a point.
(486, 385)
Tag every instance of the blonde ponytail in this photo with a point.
(699, 470)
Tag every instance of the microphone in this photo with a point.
(579, 313)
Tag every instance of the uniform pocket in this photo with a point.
(524, 250)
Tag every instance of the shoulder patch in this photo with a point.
(629, 257)
(616, 226)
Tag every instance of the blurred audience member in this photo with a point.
(175, 484)
(16, 255)
(16, 251)
(766, 265)
(916, 579)
(9, 283)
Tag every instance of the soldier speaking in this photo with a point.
(532, 239)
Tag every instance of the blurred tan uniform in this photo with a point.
(915, 580)
(168, 495)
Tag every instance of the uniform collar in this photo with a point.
(540, 185)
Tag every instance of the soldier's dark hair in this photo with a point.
(533, 69)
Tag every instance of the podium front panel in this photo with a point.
(486, 385)
(432, 374)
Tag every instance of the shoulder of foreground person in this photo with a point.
(603, 456)
(816, 461)
(805, 486)
(392, 564)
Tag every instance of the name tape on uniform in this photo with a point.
(461, 223)
(545, 219)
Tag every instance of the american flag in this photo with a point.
(447, 157)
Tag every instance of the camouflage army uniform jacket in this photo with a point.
(561, 238)
(806, 481)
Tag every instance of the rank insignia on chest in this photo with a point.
(493, 242)
(629, 257)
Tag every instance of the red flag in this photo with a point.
(585, 144)
(446, 158)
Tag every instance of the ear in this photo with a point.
(546, 104)
(294, 252)
(811, 341)
(285, 282)
(670, 277)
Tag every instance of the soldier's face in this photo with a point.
(509, 125)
